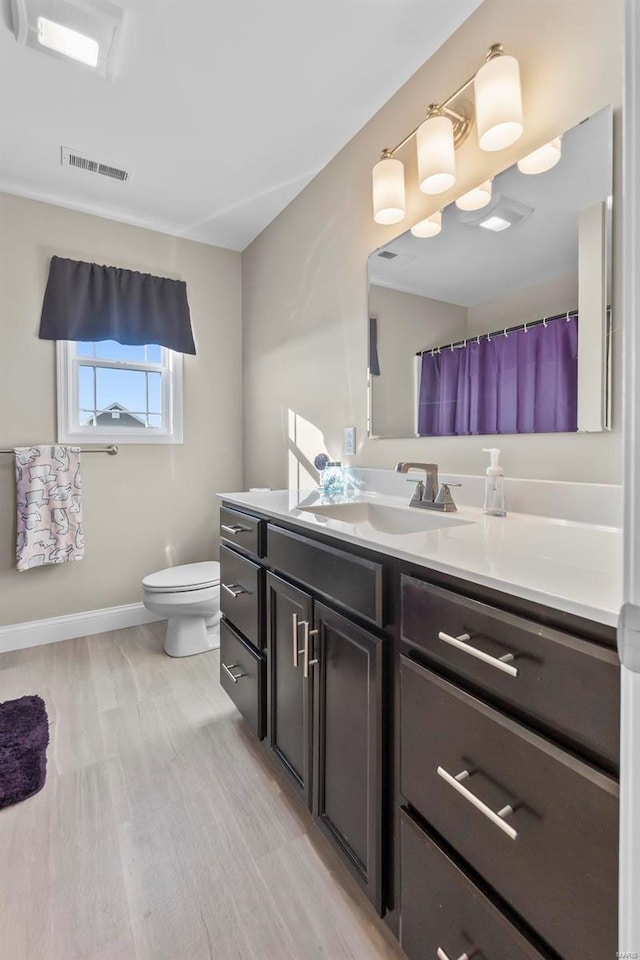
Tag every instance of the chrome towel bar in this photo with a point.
(112, 449)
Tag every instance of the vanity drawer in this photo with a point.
(444, 914)
(241, 593)
(554, 859)
(242, 675)
(567, 684)
(244, 532)
(351, 581)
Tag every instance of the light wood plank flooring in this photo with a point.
(163, 831)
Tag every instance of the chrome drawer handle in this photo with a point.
(234, 676)
(496, 818)
(233, 589)
(294, 637)
(306, 662)
(233, 528)
(500, 663)
(441, 955)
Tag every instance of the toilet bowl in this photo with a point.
(189, 597)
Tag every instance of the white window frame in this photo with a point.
(70, 430)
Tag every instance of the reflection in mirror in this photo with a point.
(500, 322)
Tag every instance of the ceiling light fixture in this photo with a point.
(497, 224)
(477, 198)
(68, 42)
(85, 32)
(542, 159)
(429, 227)
(498, 107)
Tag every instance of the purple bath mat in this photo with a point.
(24, 736)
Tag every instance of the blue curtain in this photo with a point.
(526, 382)
(90, 302)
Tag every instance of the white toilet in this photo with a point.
(189, 596)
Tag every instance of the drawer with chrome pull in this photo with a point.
(444, 914)
(241, 594)
(242, 675)
(242, 531)
(568, 686)
(538, 824)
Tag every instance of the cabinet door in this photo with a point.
(347, 794)
(289, 697)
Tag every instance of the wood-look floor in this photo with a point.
(163, 831)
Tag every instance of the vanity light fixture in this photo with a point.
(498, 109)
(542, 159)
(429, 227)
(388, 190)
(477, 198)
(436, 153)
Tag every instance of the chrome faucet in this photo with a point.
(428, 494)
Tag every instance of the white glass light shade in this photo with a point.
(498, 103)
(388, 191)
(542, 159)
(477, 198)
(430, 227)
(436, 155)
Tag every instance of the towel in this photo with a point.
(48, 506)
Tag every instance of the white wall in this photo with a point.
(305, 277)
(151, 506)
(406, 323)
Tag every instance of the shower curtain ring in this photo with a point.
(506, 335)
(544, 322)
(525, 328)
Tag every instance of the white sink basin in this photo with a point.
(386, 519)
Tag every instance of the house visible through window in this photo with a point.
(128, 394)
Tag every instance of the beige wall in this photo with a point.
(525, 305)
(406, 323)
(151, 506)
(305, 276)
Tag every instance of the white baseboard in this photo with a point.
(34, 633)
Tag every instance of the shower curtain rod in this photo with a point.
(457, 344)
(112, 449)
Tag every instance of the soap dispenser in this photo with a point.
(494, 500)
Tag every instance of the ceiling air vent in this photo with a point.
(71, 158)
(387, 255)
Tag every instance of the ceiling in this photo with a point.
(468, 265)
(223, 109)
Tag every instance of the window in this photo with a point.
(116, 393)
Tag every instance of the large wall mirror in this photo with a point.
(500, 322)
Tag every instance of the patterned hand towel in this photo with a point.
(48, 506)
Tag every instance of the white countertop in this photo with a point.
(566, 565)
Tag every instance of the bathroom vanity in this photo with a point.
(450, 719)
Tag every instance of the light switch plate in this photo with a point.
(349, 441)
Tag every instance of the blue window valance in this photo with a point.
(88, 302)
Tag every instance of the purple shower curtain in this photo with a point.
(526, 382)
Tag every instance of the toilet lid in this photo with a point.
(189, 576)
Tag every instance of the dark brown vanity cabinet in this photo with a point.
(507, 746)
(348, 754)
(242, 628)
(459, 753)
(290, 699)
(325, 721)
